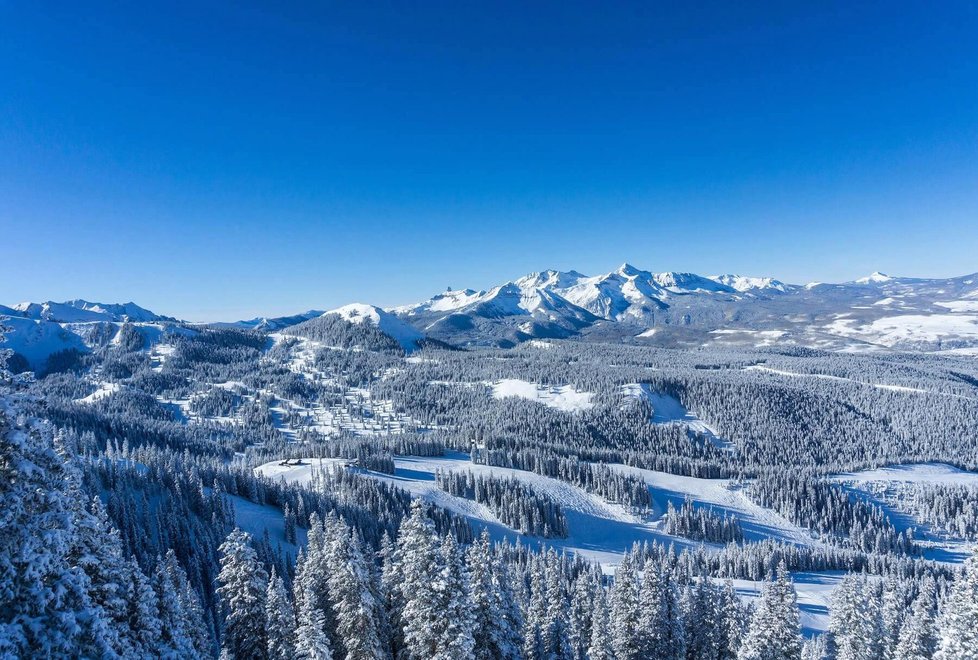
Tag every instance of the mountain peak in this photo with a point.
(875, 277)
(406, 335)
(628, 270)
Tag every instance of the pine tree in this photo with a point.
(536, 612)
(311, 640)
(579, 617)
(775, 629)
(918, 635)
(457, 619)
(495, 623)
(45, 604)
(280, 622)
(555, 636)
(142, 612)
(175, 631)
(625, 611)
(418, 548)
(243, 584)
(958, 627)
(854, 628)
(356, 599)
(600, 646)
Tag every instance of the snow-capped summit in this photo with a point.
(388, 323)
(689, 283)
(79, 311)
(550, 279)
(744, 283)
(875, 278)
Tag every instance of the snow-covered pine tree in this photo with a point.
(243, 585)
(45, 604)
(600, 646)
(579, 617)
(775, 629)
(418, 548)
(356, 604)
(311, 640)
(854, 622)
(496, 625)
(457, 619)
(280, 622)
(958, 627)
(625, 610)
(536, 612)
(176, 630)
(918, 635)
(142, 613)
(555, 640)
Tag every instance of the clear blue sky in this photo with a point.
(210, 161)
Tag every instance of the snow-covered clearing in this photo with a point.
(960, 305)
(667, 409)
(598, 530)
(928, 473)
(909, 328)
(879, 486)
(104, 390)
(563, 397)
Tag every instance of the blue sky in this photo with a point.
(215, 162)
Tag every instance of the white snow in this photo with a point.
(667, 409)
(563, 397)
(928, 473)
(744, 283)
(874, 278)
(104, 390)
(960, 305)
(384, 321)
(909, 328)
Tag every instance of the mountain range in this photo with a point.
(877, 312)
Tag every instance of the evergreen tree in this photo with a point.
(918, 635)
(601, 644)
(421, 568)
(311, 640)
(280, 622)
(775, 629)
(142, 612)
(958, 628)
(243, 585)
(45, 604)
(625, 611)
(356, 599)
(457, 620)
(495, 623)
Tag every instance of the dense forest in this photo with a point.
(134, 474)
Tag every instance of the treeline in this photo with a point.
(516, 504)
(613, 485)
(827, 509)
(702, 524)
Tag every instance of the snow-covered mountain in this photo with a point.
(677, 308)
(626, 304)
(80, 311)
(265, 324)
(406, 335)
